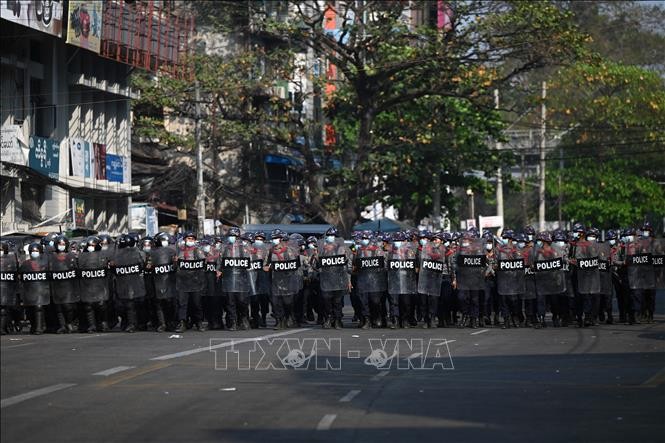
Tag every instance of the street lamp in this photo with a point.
(472, 211)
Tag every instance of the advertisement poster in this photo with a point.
(78, 209)
(84, 28)
(44, 156)
(100, 161)
(114, 168)
(42, 15)
(12, 150)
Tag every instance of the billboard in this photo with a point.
(82, 156)
(42, 15)
(84, 28)
(44, 156)
(114, 168)
(12, 148)
(78, 212)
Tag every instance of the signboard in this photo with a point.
(114, 168)
(495, 221)
(209, 226)
(12, 150)
(143, 217)
(84, 28)
(44, 16)
(100, 160)
(82, 155)
(78, 212)
(44, 156)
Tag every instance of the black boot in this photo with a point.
(474, 323)
(338, 323)
(161, 320)
(131, 318)
(464, 322)
(543, 324)
(506, 322)
(62, 325)
(182, 327)
(90, 319)
(244, 324)
(3, 321)
(279, 324)
(391, 323)
(609, 320)
(38, 317)
(555, 321)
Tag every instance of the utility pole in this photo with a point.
(200, 191)
(541, 187)
(499, 179)
(436, 202)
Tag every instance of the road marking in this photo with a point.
(655, 381)
(414, 355)
(378, 376)
(32, 394)
(480, 332)
(133, 374)
(326, 422)
(227, 344)
(17, 346)
(348, 397)
(95, 335)
(112, 371)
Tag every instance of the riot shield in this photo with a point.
(528, 255)
(639, 264)
(234, 262)
(285, 270)
(35, 282)
(510, 277)
(212, 283)
(163, 271)
(94, 274)
(332, 263)
(471, 262)
(587, 274)
(259, 280)
(431, 264)
(658, 259)
(549, 269)
(371, 269)
(64, 279)
(401, 269)
(604, 268)
(190, 270)
(128, 272)
(8, 279)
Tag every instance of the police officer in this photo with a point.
(284, 264)
(212, 284)
(8, 285)
(190, 282)
(432, 256)
(260, 293)
(129, 264)
(311, 281)
(234, 264)
(145, 309)
(369, 266)
(35, 286)
(161, 260)
(490, 301)
(333, 263)
(510, 277)
(93, 268)
(64, 284)
(402, 280)
(470, 267)
(447, 301)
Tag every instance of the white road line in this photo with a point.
(348, 397)
(227, 344)
(479, 332)
(17, 346)
(112, 371)
(414, 355)
(32, 394)
(95, 335)
(326, 422)
(378, 376)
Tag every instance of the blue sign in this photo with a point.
(44, 156)
(114, 169)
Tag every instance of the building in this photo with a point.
(65, 108)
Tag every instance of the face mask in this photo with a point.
(446, 244)
(330, 238)
(34, 254)
(488, 246)
(232, 239)
(206, 248)
(311, 246)
(630, 238)
(645, 233)
(398, 244)
(61, 248)
(364, 241)
(560, 243)
(218, 246)
(50, 243)
(521, 244)
(147, 248)
(576, 235)
(529, 237)
(2, 253)
(591, 238)
(91, 248)
(165, 244)
(539, 243)
(465, 244)
(275, 241)
(189, 243)
(612, 242)
(504, 241)
(422, 241)
(258, 242)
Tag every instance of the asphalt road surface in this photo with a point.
(601, 384)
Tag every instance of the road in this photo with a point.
(604, 384)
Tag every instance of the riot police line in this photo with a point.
(397, 280)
